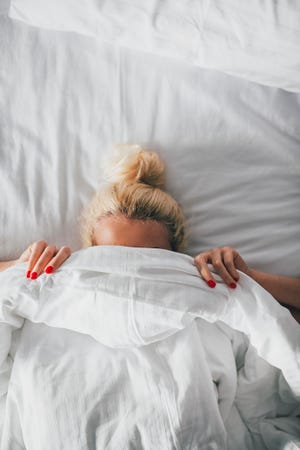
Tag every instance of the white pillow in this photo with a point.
(257, 40)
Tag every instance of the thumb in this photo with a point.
(25, 256)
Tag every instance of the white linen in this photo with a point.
(257, 40)
(129, 348)
(231, 147)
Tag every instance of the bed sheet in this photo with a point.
(258, 41)
(231, 146)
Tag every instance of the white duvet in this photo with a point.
(128, 348)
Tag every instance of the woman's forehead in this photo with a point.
(121, 230)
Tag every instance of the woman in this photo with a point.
(132, 210)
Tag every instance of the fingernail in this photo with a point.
(233, 285)
(49, 269)
(211, 283)
(34, 275)
(28, 273)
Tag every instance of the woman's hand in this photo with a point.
(41, 255)
(225, 261)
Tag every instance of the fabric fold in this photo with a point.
(146, 322)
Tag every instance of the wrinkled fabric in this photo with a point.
(128, 348)
(258, 41)
(230, 146)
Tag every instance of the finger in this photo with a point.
(221, 269)
(228, 257)
(201, 264)
(37, 249)
(43, 260)
(59, 258)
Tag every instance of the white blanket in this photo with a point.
(128, 348)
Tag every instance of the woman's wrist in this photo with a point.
(285, 290)
(254, 274)
(6, 264)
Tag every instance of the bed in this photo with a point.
(213, 88)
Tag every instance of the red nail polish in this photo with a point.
(232, 285)
(49, 269)
(28, 273)
(211, 283)
(34, 275)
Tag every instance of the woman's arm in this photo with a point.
(6, 264)
(286, 290)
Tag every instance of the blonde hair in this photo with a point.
(134, 180)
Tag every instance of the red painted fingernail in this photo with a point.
(49, 269)
(28, 273)
(233, 285)
(34, 275)
(211, 283)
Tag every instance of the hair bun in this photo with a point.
(133, 164)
